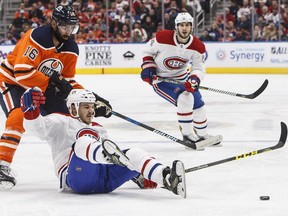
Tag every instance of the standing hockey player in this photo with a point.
(46, 57)
(168, 55)
(84, 159)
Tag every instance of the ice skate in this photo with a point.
(218, 139)
(174, 178)
(202, 141)
(193, 139)
(7, 180)
(115, 154)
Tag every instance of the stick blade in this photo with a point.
(283, 135)
(259, 91)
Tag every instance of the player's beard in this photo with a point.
(58, 36)
(184, 37)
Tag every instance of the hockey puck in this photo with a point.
(264, 197)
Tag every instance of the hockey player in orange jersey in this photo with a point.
(45, 57)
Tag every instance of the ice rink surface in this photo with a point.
(229, 189)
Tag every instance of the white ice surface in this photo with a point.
(229, 189)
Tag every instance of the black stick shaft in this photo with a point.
(153, 130)
(249, 96)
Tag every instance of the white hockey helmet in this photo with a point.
(184, 17)
(77, 96)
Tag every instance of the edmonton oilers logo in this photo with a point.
(51, 65)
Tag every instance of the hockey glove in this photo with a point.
(148, 73)
(30, 102)
(61, 84)
(103, 107)
(192, 84)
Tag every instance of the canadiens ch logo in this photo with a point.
(175, 63)
(88, 132)
(51, 65)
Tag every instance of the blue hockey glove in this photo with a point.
(192, 84)
(31, 99)
(148, 73)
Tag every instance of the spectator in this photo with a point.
(149, 26)
(97, 31)
(234, 9)
(283, 32)
(270, 32)
(172, 9)
(40, 5)
(244, 23)
(257, 33)
(215, 32)
(244, 10)
(26, 26)
(112, 11)
(125, 33)
(80, 38)
(186, 8)
(241, 35)
(115, 26)
(47, 13)
(138, 33)
(157, 15)
(90, 39)
(18, 22)
(259, 5)
(35, 12)
(205, 36)
(230, 27)
(228, 16)
(21, 10)
(195, 4)
(10, 40)
(121, 3)
(205, 4)
(168, 22)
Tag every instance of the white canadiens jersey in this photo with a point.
(61, 132)
(172, 58)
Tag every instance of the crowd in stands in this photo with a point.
(270, 22)
(144, 19)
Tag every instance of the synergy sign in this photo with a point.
(243, 55)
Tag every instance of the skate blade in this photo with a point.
(181, 187)
(5, 185)
(116, 154)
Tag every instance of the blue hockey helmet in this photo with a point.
(65, 16)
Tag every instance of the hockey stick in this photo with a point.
(280, 144)
(193, 146)
(249, 96)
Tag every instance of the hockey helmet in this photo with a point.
(65, 16)
(184, 17)
(77, 96)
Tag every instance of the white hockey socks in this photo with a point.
(185, 112)
(146, 165)
(200, 121)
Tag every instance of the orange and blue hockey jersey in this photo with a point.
(36, 54)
